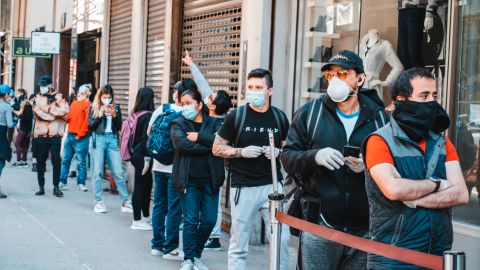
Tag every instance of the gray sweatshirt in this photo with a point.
(6, 111)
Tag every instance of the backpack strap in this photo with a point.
(280, 119)
(382, 119)
(240, 116)
(314, 115)
(166, 107)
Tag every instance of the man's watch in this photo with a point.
(437, 182)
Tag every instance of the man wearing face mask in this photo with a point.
(48, 131)
(77, 139)
(414, 176)
(243, 139)
(323, 149)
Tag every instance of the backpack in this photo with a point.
(128, 134)
(159, 143)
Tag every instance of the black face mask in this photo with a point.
(416, 119)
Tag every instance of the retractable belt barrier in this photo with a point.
(369, 246)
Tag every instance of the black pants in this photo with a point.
(43, 146)
(21, 145)
(142, 189)
(410, 33)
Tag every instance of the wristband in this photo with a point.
(437, 182)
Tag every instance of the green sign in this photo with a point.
(21, 48)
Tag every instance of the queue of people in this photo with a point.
(392, 179)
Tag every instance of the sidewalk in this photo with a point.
(64, 233)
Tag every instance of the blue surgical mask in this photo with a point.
(257, 99)
(189, 112)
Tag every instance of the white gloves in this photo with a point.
(251, 151)
(355, 164)
(329, 158)
(428, 23)
(146, 165)
(267, 152)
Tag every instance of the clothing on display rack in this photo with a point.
(322, 54)
(375, 53)
(320, 86)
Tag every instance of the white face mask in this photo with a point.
(43, 90)
(106, 101)
(338, 90)
(174, 96)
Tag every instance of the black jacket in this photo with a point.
(98, 124)
(342, 192)
(185, 149)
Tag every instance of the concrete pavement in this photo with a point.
(64, 233)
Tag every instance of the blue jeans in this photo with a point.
(166, 204)
(106, 148)
(71, 147)
(199, 205)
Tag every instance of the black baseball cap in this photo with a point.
(345, 59)
(45, 80)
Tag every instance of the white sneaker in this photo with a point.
(147, 220)
(140, 225)
(198, 264)
(187, 265)
(127, 207)
(63, 186)
(100, 208)
(82, 188)
(156, 252)
(174, 255)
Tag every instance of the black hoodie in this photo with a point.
(342, 192)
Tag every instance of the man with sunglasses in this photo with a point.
(414, 176)
(323, 150)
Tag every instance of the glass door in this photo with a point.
(467, 103)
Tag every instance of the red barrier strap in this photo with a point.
(389, 251)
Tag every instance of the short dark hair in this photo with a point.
(223, 102)
(261, 73)
(402, 86)
(144, 100)
(187, 85)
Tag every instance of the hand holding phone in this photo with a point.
(351, 151)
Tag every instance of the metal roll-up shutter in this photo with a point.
(155, 46)
(119, 50)
(211, 33)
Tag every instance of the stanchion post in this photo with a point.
(454, 260)
(276, 204)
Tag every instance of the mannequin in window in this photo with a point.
(375, 53)
(414, 16)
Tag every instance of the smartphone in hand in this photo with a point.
(351, 151)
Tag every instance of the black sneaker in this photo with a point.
(114, 191)
(2, 196)
(73, 174)
(23, 164)
(17, 164)
(34, 167)
(57, 192)
(40, 192)
(213, 244)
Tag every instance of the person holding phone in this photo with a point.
(323, 147)
(105, 123)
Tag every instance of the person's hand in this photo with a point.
(410, 204)
(251, 151)
(329, 158)
(268, 154)
(355, 164)
(112, 111)
(192, 136)
(146, 165)
(428, 23)
(187, 60)
(101, 111)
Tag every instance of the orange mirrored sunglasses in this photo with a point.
(342, 74)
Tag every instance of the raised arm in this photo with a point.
(202, 84)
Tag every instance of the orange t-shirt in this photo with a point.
(378, 151)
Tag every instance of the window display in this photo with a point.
(328, 26)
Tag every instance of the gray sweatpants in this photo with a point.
(319, 253)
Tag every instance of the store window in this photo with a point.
(467, 101)
(389, 35)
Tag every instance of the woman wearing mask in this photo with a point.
(141, 161)
(25, 116)
(105, 123)
(197, 175)
(5, 123)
